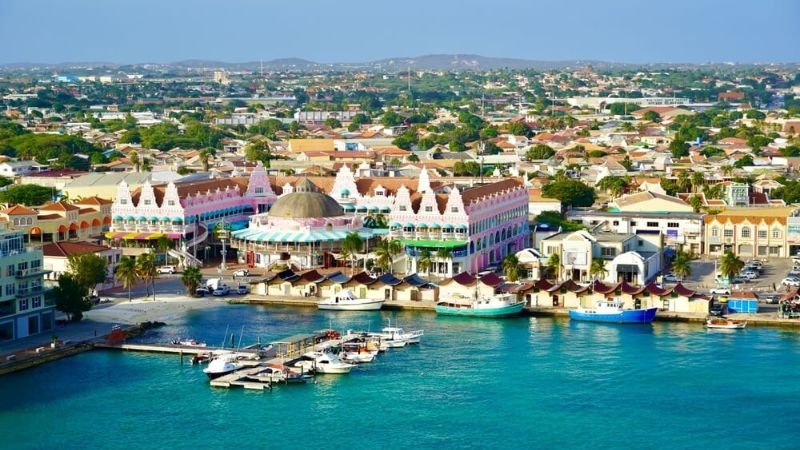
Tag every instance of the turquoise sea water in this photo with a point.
(521, 383)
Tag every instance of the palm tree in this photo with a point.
(126, 272)
(730, 265)
(695, 203)
(554, 265)
(191, 278)
(146, 270)
(697, 181)
(164, 244)
(134, 159)
(205, 155)
(444, 254)
(425, 260)
(352, 244)
(682, 265)
(385, 252)
(511, 268)
(598, 268)
(683, 181)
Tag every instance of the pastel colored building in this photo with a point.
(56, 260)
(23, 308)
(303, 229)
(478, 225)
(58, 222)
(749, 232)
(185, 210)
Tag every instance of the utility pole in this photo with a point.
(481, 147)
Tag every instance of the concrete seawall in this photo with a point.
(662, 316)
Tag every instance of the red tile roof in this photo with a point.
(18, 210)
(65, 249)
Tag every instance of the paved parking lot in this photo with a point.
(775, 270)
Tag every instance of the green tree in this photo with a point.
(164, 244)
(258, 150)
(386, 251)
(352, 244)
(425, 261)
(205, 156)
(146, 270)
(682, 265)
(539, 151)
(88, 269)
(133, 157)
(746, 160)
(652, 116)
(332, 122)
(391, 119)
(511, 267)
(71, 297)
(598, 268)
(619, 109)
(126, 272)
(696, 203)
(697, 180)
(191, 278)
(518, 128)
(570, 192)
(554, 265)
(444, 255)
(730, 265)
(26, 194)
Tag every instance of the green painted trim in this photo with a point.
(433, 244)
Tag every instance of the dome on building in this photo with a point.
(306, 202)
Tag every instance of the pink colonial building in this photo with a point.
(185, 210)
(479, 225)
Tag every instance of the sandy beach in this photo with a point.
(166, 308)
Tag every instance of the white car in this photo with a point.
(720, 291)
(750, 275)
(241, 273)
(221, 290)
(670, 278)
(790, 282)
(167, 269)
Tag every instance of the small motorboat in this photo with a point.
(188, 342)
(720, 323)
(328, 363)
(356, 357)
(222, 365)
(201, 358)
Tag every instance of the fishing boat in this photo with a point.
(725, 324)
(500, 305)
(222, 365)
(347, 301)
(356, 357)
(613, 311)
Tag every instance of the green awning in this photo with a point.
(436, 225)
(349, 207)
(434, 244)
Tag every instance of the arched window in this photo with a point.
(746, 232)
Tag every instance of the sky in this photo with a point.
(633, 31)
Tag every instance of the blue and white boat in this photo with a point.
(500, 305)
(612, 311)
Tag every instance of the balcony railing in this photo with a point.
(37, 290)
(35, 272)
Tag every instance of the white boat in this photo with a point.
(189, 343)
(347, 301)
(222, 365)
(725, 324)
(393, 336)
(356, 353)
(324, 362)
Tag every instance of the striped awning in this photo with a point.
(135, 236)
(115, 234)
(304, 236)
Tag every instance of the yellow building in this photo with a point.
(748, 232)
(57, 222)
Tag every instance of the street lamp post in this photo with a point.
(222, 235)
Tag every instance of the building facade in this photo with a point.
(56, 260)
(749, 232)
(58, 222)
(23, 308)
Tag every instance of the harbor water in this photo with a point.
(472, 383)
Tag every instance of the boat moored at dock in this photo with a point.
(612, 311)
(222, 365)
(347, 301)
(720, 323)
(500, 305)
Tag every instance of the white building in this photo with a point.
(56, 259)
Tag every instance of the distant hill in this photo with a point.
(425, 62)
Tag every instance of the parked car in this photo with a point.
(241, 273)
(167, 269)
(720, 291)
(770, 298)
(670, 278)
(793, 274)
(201, 292)
(718, 309)
(790, 281)
(242, 289)
(222, 290)
(739, 279)
(750, 274)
